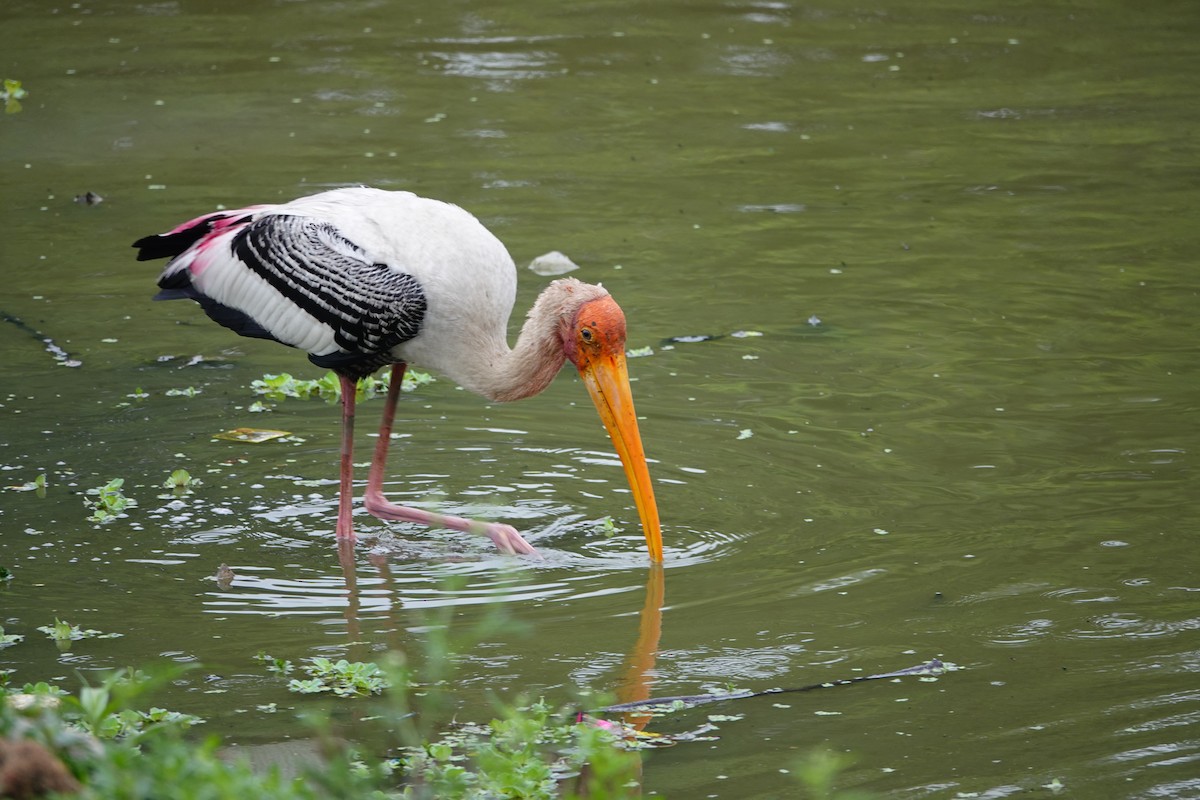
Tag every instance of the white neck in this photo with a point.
(502, 374)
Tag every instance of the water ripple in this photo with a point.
(412, 572)
(1131, 625)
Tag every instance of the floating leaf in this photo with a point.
(608, 528)
(180, 479)
(252, 435)
(12, 95)
(38, 484)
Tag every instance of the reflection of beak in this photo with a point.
(635, 687)
(607, 381)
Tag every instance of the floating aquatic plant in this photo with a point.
(343, 678)
(38, 485)
(180, 480)
(608, 528)
(63, 631)
(109, 501)
(11, 94)
(283, 385)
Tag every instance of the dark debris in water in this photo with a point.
(193, 361)
(660, 705)
(692, 339)
(813, 321)
(56, 352)
(225, 577)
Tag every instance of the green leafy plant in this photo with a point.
(12, 94)
(63, 631)
(180, 480)
(101, 709)
(7, 639)
(819, 771)
(109, 501)
(187, 391)
(116, 751)
(277, 665)
(277, 387)
(39, 690)
(533, 751)
(328, 387)
(37, 485)
(117, 747)
(343, 678)
(608, 528)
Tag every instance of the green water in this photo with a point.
(968, 428)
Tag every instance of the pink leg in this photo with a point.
(345, 526)
(505, 537)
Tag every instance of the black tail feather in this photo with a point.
(169, 245)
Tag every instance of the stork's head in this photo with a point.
(594, 341)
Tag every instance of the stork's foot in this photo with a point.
(344, 532)
(505, 537)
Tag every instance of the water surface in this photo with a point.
(918, 282)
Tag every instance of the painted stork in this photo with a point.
(364, 278)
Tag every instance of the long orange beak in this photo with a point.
(607, 380)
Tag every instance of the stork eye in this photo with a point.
(586, 333)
